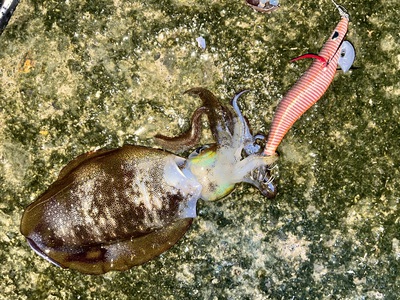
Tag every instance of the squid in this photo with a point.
(114, 209)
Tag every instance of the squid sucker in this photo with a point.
(113, 209)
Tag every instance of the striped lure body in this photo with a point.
(310, 87)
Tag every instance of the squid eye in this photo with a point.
(198, 151)
(335, 35)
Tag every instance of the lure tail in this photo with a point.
(310, 87)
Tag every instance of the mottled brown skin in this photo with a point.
(188, 139)
(93, 218)
(219, 116)
(94, 260)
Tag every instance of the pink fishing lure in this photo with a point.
(310, 87)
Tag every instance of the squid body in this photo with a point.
(113, 209)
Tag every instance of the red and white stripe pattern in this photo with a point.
(309, 88)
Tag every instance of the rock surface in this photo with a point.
(81, 75)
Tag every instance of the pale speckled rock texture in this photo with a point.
(81, 75)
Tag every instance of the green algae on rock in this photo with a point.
(333, 231)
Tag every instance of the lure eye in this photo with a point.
(347, 56)
(335, 35)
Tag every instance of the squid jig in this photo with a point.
(313, 83)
